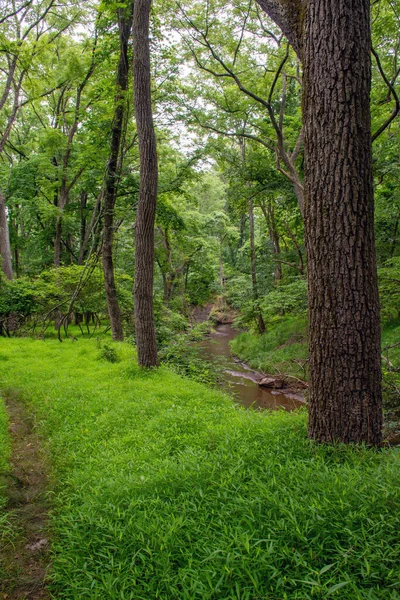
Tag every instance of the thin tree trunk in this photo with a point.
(253, 264)
(61, 202)
(84, 197)
(146, 210)
(112, 174)
(269, 216)
(296, 245)
(221, 270)
(5, 250)
(92, 228)
(260, 320)
(345, 401)
(57, 242)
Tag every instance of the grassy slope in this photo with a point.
(277, 350)
(286, 341)
(165, 489)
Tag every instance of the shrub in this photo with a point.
(109, 353)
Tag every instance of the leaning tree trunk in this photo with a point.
(111, 176)
(146, 210)
(345, 365)
(5, 251)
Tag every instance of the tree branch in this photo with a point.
(288, 15)
(392, 91)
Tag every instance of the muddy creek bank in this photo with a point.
(239, 380)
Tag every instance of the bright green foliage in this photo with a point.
(290, 298)
(165, 489)
(40, 299)
(17, 296)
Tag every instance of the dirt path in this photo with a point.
(25, 558)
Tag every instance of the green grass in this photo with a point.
(282, 349)
(165, 489)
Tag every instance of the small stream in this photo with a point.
(240, 381)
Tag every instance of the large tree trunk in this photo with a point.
(5, 250)
(345, 368)
(112, 174)
(345, 364)
(146, 210)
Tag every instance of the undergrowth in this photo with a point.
(282, 349)
(168, 490)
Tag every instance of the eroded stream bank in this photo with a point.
(239, 380)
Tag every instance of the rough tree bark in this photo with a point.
(5, 251)
(112, 174)
(146, 210)
(333, 39)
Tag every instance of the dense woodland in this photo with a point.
(157, 158)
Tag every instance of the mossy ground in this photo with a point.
(166, 489)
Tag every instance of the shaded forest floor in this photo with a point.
(163, 488)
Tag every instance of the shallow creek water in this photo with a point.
(240, 381)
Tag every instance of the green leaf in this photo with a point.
(336, 587)
(326, 568)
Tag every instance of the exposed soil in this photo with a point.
(201, 313)
(25, 557)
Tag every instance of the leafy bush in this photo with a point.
(186, 360)
(168, 323)
(287, 298)
(109, 353)
(51, 292)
